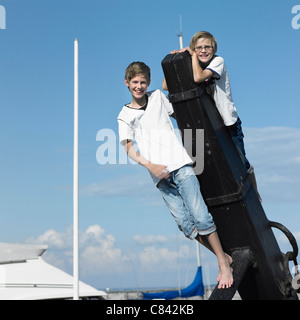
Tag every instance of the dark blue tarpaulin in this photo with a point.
(194, 289)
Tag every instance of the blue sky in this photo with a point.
(127, 236)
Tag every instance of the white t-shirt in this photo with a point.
(154, 133)
(222, 91)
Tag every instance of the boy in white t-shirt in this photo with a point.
(211, 68)
(147, 121)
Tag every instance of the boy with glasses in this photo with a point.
(207, 66)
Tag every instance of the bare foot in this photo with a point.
(225, 277)
(230, 261)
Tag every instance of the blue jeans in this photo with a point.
(181, 193)
(237, 136)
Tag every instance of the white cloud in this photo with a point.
(99, 255)
(297, 236)
(283, 239)
(54, 239)
(275, 146)
(155, 261)
(147, 240)
(275, 154)
(158, 259)
(97, 250)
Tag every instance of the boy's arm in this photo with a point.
(164, 85)
(198, 73)
(159, 171)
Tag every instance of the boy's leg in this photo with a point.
(174, 202)
(206, 241)
(203, 240)
(189, 189)
(225, 276)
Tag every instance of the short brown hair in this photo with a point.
(136, 68)
(206, 35)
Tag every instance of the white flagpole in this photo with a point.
(180, 35)
(197, 243)
(75, 180)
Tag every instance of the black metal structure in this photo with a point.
(261, 270)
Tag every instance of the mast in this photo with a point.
(180, 34)
(181, 47)
(75, 180)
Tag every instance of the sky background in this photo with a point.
(128, 239)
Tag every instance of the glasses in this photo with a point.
(206, 48)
